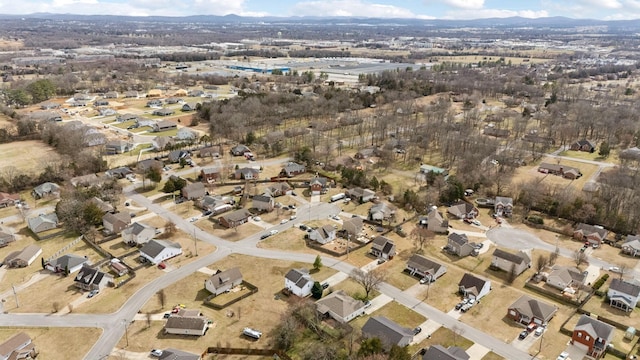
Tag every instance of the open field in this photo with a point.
(526, 173)
(393, 311)
(261, 310)
(290, 239)
(27, 156)
(77, 341)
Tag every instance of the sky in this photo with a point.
(423, 9)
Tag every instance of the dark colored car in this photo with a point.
(523, 335)
(325, 285)
(417, 330)
(167, 315)
(264, 236)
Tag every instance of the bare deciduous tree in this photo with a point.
(541, 262)
(579, 257)
(368, 280)
(162, 297)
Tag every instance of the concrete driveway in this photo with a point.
(377, 302)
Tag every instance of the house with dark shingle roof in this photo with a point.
(562, 277)
(567, 172)
(463, 210)
(45, 189)
(318, 185)
(156, 251)
(583, 145)
(262, 203)
(235, 218)
(138, 234)
(340, 306)
(421, 266)
(439, 352)
(298, 282)
(186, 322)
(458, 244)
(389, 332)
(361, 195)
(193, 191)
(175, 354)
(69, 263)
(623, 295)
(323, 235)
(503, 206)
(632, 245)
(6, 239)
(507, 261)
(43, 222)
(223, 281)
(277, 189)
(528, 310)
(119, 172)
(292, 169)
(91, 279)
(473, 286)
(592, 333)
(247, 173)
(381, 211)
(210, 175)
(594, 234)
(383, 248)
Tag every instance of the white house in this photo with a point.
(474, 287)
(623, 295)
(156, 251)
(299, 282)
(138, 234)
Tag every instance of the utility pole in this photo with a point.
(195, 241)
(15, 294)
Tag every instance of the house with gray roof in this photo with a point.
(388, 331)
(292, 169)
(45, 189)
(383, 248)
(527, 310)
(186, 322)
(175, 354)
(247, 173)
(210, 151)
(318, 185)
(323, 235)
(157, 251)
(435, 222)
(145, 165)
(439, 352)
(503, 206)
(119, 172)
(278, 189)
(117, 147)
(239, 150)
(163, 125)
(67, 264)
(594, 334)
(89, 278)
(340, 306)
(458, 244)
(6, 239)
(507, 261)
(262, 203)
(631, 246)
(138, 234)
(472, 286)
(115, 223)
(421, 266)
(194, 191)
(361, 195)
(235, 218)
(185, 134)
(299, 282)
(623, 294)
(22, 258)
(463, 210)
(353, 226)
(381, 212)
(190, 106)
(563, 277)
(223, 281)
(43, 222)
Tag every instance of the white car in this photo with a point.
(563, 356)
(156, 353)
(614, 269)
(257, 218)
(273, 232)
(284, 221)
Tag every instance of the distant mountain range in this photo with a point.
(509, 22)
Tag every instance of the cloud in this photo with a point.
(495, 13)
(352, 8)
(607, 4)
(465, 4)
(632, 3)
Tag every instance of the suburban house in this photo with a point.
(420, 266)
(105, 207)
(186, 322)
(565, 171)
(426, 169)
(126, 117)
(594, 234)
(154, 102)
(176, 155)
(366, 153)
(131, 94)
(239, 150)
(247, 173)
(210, 151)
(193, 191)
(185, 134)
(592, 333)
(173, 100)
(262, 203)
(631, 246)
(353, 226)
(86, 180)
(463, 210)
(92, 279)
(563, 277)
(458, 244)
(118, 267)
(340, 306)
(435, 222)
(22, 258)
(278, 189)
(623, 295)
(381, 211)
(106, 112)
(117, 147)
(439, 352)
(583, 145)
(383, 248)
(67, 264)
(318, 185)
(503, 206)
(111, 95)
(6, 239)
(175, 354)
(210, 175)
(115, 223)
(235, 218)
(216, 203)
(361, 195)
(389, 332)
(43, 222)
(119, 172)
(471, 286)
(161, 143)
(156, 251)
(145, 165)
(292, 169)
(163, 125)
(45, 189)
(7, 200)
(191, 106)
(298, 282)
(527, 310)
(223, 281)
(19, 346)
(138, 234)
(506, 261)
(323, 235)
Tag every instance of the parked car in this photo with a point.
(417, 330)
(614, 269)
(367, 304)
(284, 221)
(293, 217)
(93, 293)
(207, 213)
(539, 331)
(156, 353)
(257, 218)
(303, 227)
(325, 285)
(381, 261)
(563, 356)
(167, 315)
(274, 231)
(531, 327)
(264, 236)
(292, 207)
(523, 334)
(476, 222)
(162, 266)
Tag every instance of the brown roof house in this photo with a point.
(506, 261)
(583, 145)
(474, 287)
(115, 223)
(623, 295)
(389, 332)
(278, 189)
(247, 173)
(567, 172)
(563, 277)
(323, 235)
(193, 191)
(434, 221)
(186, 322)
(223, 281)
(594, 334)
(18, 347)
(298, 282)
(503, 206)
(92, 279)
(458, 244)
(8, 199)
(235, 218)
(528, 310)
(43, 222)
(105, 207)
(340, 306)
(383, 248)
(138, 234)
(594, 234)
(22, 258)
(318, 185)
(463, 210)
(420, 266)
(292, 169)
(156, 251)
(632, 245)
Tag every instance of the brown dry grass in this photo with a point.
(48, 341)
(290, 240)
(236, 234)
(394, 311)
(27, 156)
(353, 289)
(446, 338)
(526, 173)
(492, 356)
